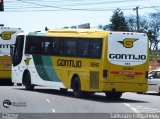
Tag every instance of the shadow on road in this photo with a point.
(153, 94)
(92, 97)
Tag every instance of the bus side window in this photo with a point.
(46, 47)
(70, 47)
(83, 48)
(49, 48)
(32, 45)
(33, 49)
(96, 48)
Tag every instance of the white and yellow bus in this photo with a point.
(85, 60)
(7, 40)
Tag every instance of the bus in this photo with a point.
(84, 60)
(7, 40)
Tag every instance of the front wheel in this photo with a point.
(113, 95)
(76, 86)
(19, 84)
(27, 82)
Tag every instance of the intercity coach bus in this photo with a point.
(84, 60)
(7, 40)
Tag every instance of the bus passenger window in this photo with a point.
(47, 47)
(55, 49)
(70, 48)
(83, 48)
(33, 50)
(32, 44)
(96, 48)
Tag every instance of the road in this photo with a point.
(49, 100)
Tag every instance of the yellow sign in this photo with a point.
(27, 61)
(6, 35)
(128, 42)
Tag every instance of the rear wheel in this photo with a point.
(113, 95)
(6, 82)
(27, 81)
(76, 86)
(63, 89)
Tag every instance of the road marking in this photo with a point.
(141, 109)
(132, 108)
(53, 110)
(48, 100)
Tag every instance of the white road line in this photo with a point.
(141, 109)
(131, 107)
(53, 110)
(48, 100)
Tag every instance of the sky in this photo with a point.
(34, 15)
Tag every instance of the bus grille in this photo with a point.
(94, 80)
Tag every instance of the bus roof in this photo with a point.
(74, 30)
(64, 32)
(79, 31)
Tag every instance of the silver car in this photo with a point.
(154, 81)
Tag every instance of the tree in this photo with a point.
(118, 22)
(105, 27)
(132, 23)
(149, 25)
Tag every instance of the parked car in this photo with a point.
(154, 81)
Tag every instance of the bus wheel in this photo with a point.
(27, 81)
(113, 95)
(11, 84)
(19, 84)
(76, 86)
(63, 90)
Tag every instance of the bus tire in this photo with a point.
(63, 90)
(11, 84)
(27, 81)
(76, 86)
(19, 84)
(113, 95)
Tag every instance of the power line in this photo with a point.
(94, 10)
(30, 5)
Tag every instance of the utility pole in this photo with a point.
(137, 17)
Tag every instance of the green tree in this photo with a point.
(154, 29)
(132, 23)
(118, 22)
(149, 25)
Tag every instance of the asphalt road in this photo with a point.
(48, 100)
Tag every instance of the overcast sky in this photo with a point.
(33, 15)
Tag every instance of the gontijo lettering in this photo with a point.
(127, 56)
(69, 63)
